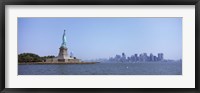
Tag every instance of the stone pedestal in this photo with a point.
(62, 56)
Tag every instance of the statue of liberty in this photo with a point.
(64, 40)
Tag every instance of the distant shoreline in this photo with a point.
(21, 63)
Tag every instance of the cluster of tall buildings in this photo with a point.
(136, 58)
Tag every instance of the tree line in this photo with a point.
(31, 57)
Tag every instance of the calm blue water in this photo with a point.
(147, 68)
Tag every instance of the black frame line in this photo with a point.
(3, 3)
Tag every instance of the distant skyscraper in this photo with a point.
(133, 59)
(145, 57)
(136, 57)
(123, 55)
(155, 58)
(160, 56)
(129, 59)
(141, 57)
(151, 57)
(123, 59)
(117, 58)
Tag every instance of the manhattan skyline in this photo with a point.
(93, 38)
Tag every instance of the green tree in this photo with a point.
(29, 57)
(47, 57)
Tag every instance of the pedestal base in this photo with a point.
(62, 60)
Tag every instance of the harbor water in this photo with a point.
(137, 68)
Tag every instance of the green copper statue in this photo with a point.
(64, 40)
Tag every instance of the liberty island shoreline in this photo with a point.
(21, 63)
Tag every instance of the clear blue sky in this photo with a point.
(92, 38)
